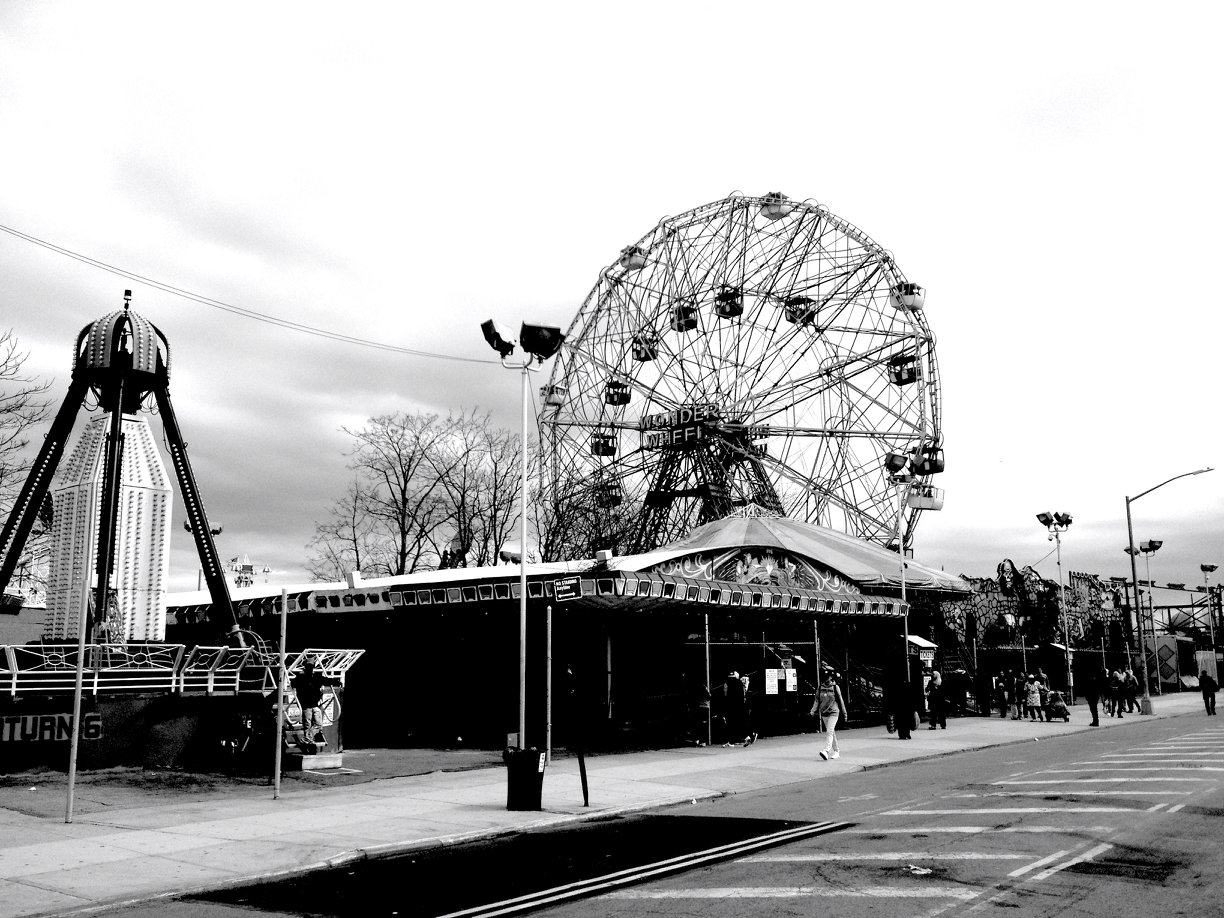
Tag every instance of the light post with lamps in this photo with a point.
(1057, 524)
(539, 342)
(1207, 569)
(1145, 706)
(1147, 548)
(895, 464)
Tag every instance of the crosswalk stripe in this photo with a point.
(981, 830)
(1048, 859)
(1102, 781)
(1086, 856)
(878, 856)
(797, 892)
(1083, 793)
(1017, 809)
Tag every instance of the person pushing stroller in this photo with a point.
(1056, 707)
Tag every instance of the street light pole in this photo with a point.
(539, 342)
(1058, 523)
(1145, 706)
(1207, 569)
(1147, 549)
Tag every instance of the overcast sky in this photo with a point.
(1048, 171)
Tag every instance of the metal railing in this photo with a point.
(39, 669)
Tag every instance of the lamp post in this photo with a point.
(1145, 706)
(539, 342)
(1207, 569)
(1057, 524)
(1148, 548)
(895, 464)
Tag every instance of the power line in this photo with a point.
(230, 308)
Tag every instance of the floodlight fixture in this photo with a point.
(1062, 519)
(1045, 519)
(541, 341)
(1208, 568)
(1151, 545)
(500, 338)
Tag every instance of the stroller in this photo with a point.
(1056, 707)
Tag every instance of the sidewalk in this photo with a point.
(127, 843)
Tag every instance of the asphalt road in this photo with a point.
(1116, 823)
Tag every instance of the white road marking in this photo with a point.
(878, 856)
(1135, 769)
(1048, 859)
(1019, 809)
(1174, 809)
(1104, 781)
(1084, 793)
(981, 830)
(797, 892)
(1086, 856)
(1155, 807)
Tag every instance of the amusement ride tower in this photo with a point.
(121, 359)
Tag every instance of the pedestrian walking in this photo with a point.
(1032, 699)
(1117, 693)
(937, 702)
(1130, 690)
(1019, 682)
(1092, 692)
(899, 705)
(829, 706)
(1003, 686)
(1209, 689)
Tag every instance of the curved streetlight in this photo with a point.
(1058, 523)
(1145, 706)
(539, 342)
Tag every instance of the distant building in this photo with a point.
(142, 536)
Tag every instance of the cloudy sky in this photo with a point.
(1049, 171)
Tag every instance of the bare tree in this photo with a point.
(394, 507)
(478, 468)
(345, 541)
(23, 407)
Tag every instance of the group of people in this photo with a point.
(1019, 695)
(1029, 695)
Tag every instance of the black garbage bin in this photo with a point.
(524, 778)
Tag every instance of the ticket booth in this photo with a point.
(921, 663)
(323, 748)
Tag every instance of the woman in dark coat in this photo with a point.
(901, 706)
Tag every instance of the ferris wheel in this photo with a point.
(756, 355)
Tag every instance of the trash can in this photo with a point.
(524, 778)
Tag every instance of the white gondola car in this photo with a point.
(925, 497)
(776, 206)
(908, 296)
(632, 258)
(554, 395)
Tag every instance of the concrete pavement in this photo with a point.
(128, 844)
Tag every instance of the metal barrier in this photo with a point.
(213, 669)
(42, 668)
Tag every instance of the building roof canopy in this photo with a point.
(863, 563)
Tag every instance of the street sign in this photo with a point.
(567, 588)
